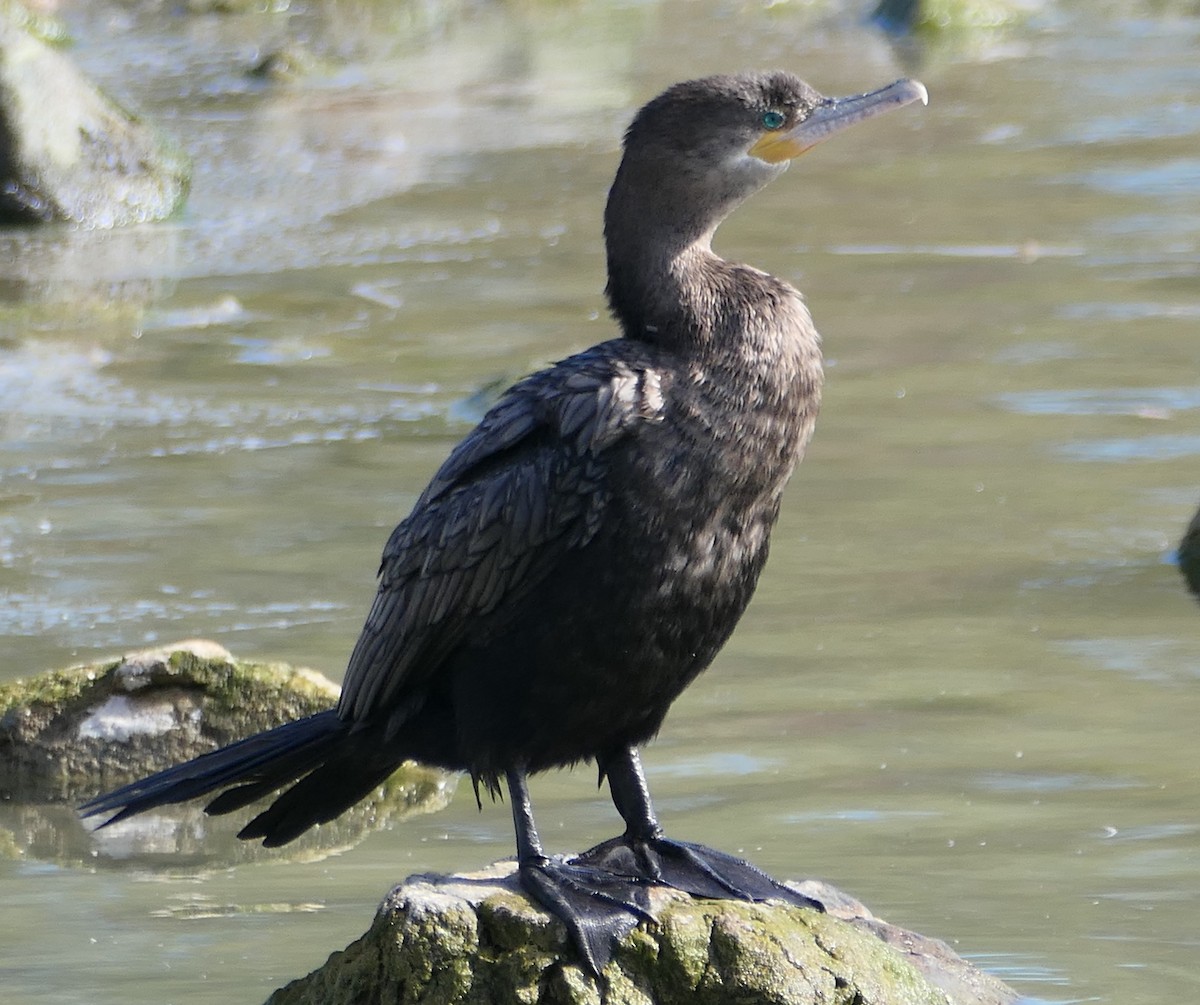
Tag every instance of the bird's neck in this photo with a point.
(664, 294)
(690, 300)
(740, 325)
(660, 261)
(665, 284)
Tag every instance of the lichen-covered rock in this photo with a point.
(67, 735)
(70, 733)
(69, 153)
(478, 939)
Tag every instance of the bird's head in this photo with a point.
(702, 146)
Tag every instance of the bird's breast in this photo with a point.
(702, 488)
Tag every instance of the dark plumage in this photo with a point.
(585, 552)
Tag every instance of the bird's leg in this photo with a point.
(646, 853)
(631, 794)
(598, 906)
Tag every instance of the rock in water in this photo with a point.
(69, 153)
(478, 939)
(1189, 555)
(66, 734)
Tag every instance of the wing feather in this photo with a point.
(525, 487)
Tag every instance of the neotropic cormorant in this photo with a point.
(585, 552)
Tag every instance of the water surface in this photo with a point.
(967, 690)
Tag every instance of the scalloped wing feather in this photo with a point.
(524, 489)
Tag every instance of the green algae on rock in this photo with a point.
(69, 152)
(476, 938)
(939, 17)
(68, 734)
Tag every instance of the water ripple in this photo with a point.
(1126, 311)
(1170, 179)
(1164, 447)
(29, 614)
(1145, 402)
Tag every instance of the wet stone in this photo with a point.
(67, 735)
(476, 938)
(70, 153)
(1188, 554)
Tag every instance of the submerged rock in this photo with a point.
(477, 938)
(69, 153)
(1188, 554)
(69, 734)
(286, 65)
(934, 17)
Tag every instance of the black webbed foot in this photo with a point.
(603, 894)
(644, 853)
(598, 907)
(690, 868)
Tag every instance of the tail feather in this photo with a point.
(277, 757)
(269, 778)
(317, 798)
(240, 796)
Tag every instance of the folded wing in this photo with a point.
(526, 488)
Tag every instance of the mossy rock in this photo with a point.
(1188, 554)
(937, 18)
(41, 24)
(478, 939)
(67, 735)
(69, 152)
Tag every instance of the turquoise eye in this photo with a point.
(773, 120)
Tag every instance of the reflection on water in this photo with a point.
(1149, 403)
(1163, 447)
(967, 690)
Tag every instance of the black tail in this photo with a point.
(336, 768)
